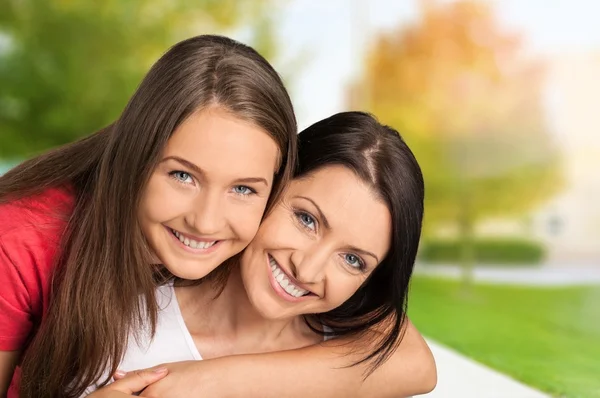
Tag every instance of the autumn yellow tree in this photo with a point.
(469, 102)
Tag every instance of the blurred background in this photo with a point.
(499, 100)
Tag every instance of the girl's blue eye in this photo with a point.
(182, 176)
(243, 190)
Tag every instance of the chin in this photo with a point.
(273, 312)
(266, 308)
(193, 272)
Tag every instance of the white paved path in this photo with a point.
(533, 276)
(461, 377)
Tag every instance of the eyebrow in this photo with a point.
(198, 170)
(326, 223)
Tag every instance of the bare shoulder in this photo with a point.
(419, 359)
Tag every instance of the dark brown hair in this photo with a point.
(101, 272)
(378, 155)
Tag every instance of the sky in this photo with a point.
(331, 36)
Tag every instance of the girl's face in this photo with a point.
(317, 247)
(205, 199)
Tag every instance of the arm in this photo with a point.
(15, 322)
(131, 383)
(312, 371)
(28, 244)
(8, 361)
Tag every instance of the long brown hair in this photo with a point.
(101, 270)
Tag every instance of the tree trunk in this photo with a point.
(466, 238)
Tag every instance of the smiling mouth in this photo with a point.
(286, 284)
(191, 243)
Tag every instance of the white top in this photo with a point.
(172, 341)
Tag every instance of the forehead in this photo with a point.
(355, 213)
(221, 144)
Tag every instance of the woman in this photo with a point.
(335, 254)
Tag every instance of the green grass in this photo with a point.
(548, 338)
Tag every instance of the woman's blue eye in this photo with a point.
(243, 190)
(307, 220)
(182, 176)
(353, 260)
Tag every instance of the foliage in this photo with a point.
(486, 251)
(67, 68)
(469, 103)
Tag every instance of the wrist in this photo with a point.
(229, 375)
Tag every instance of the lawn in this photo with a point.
(548, 338)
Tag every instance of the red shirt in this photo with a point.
(30, 233)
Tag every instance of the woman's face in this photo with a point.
(317, 247)
(205, 199)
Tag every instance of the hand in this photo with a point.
(192, 379)
(130, 383)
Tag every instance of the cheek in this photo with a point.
(341, 287)
(275, 233)
(245, 220)
(160, 201)
(278, 231)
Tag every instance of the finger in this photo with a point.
(138, 380)
(119, 374)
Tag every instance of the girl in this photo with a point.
(92, 209)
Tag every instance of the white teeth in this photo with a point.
(284, 282)
(192, 243)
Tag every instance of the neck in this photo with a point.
(237, 314)
(231, 322)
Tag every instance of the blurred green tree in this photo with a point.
(469, 103)
(67, 68)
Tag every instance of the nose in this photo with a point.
(208, 216)
(309, 263)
